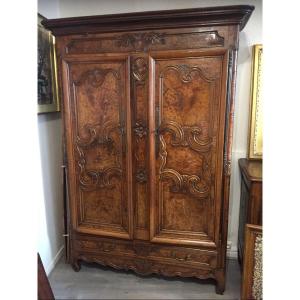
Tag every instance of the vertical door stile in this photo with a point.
(139, 99)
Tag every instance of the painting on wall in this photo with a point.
(48, 100)
(255, 148)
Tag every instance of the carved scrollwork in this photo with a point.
(140, 69)
(186, 72)
(97, 135)
(182, 183)
(146, 267)
(142, 249)
(146, 41)
(140, 41)
(191, 136)
(92, 179)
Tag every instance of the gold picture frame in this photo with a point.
(255, 142)
(48, 98)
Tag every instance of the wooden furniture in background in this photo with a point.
(44, 288)
(251, 198)
(252, 265)
(148, 118)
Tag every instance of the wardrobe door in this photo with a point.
(97, 125)
(187, 122)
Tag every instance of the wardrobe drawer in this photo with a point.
(185, 255)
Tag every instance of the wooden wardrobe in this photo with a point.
(148, 118)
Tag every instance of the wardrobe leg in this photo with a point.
(76, 265)
(220, 282)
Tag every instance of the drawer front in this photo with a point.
(136, 249)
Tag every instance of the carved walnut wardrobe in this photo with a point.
(148, 118)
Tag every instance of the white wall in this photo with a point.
(252, 34)
(50, 222)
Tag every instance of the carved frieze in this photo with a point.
(145, 41)
(140, 41)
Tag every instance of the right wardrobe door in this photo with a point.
(187, 110)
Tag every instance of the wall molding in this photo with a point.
(49, 268)
(232, 253)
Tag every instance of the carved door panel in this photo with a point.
(97, 121)
(187, 120)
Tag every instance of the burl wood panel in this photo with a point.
(189, 99)
(100, 112)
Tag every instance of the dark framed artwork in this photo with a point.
(48, 100)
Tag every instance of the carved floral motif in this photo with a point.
(140, 41)
(141, 176)
(140, 129)
(140, 69)
(145, 41)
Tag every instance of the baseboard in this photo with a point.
(50, 267)
(232, 253)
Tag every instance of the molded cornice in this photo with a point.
(192, 17)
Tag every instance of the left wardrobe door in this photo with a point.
(98, 133)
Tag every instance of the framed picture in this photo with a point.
(255, 148)
(48, 100)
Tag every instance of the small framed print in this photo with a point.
(48, 99)
(255, 148)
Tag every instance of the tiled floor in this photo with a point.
(96, 282)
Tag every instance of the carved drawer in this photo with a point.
(104, 246)
(185, 255)
(136, 249)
